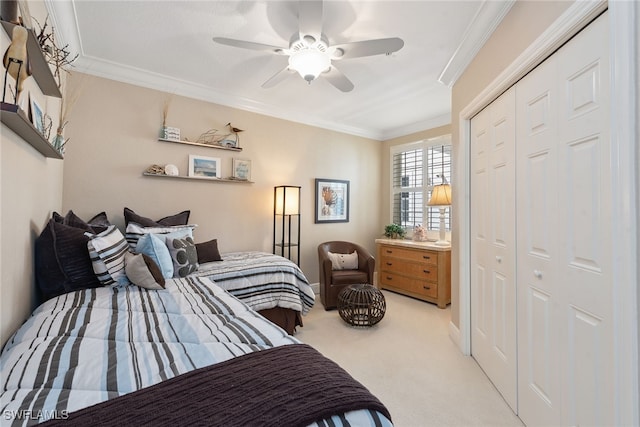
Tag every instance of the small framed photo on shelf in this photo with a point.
(241, 170)
(205, 167)
(37, 116)
(332, 201)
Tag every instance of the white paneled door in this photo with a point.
(564, 241)
(493, 253)
(541, 246)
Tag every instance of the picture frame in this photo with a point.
(205, 167)
(241, 169)
(331, 200)
(37, 115)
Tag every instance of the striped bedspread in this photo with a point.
(261, 280)
(89, 346)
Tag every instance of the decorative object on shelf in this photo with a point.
(16, 61)
(419, 233)
(171, 170)
(37, 116)
(441, 197)
(205, 167)
(155, 170)
(171, 133)
(394, 231)
(241, 169)
(286, 207)
(235, 131)
(211, 137)
(332, 201)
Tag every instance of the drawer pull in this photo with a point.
(389, 278)
(389, 251)
(427, 287)
(389, 263)
(426, 271)
(426, 257)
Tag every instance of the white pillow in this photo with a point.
(344, 261)
(134, 231)
(107, 251)
(143, 271)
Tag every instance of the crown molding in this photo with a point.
(487, 18)
(419, 126)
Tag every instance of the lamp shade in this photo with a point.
(440, 196)
(287, 200)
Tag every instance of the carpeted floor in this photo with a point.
(409, 362)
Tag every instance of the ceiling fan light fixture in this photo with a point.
(309, 63)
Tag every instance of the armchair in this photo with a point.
(333, 281)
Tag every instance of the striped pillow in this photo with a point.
(134, 231)
(107, 251)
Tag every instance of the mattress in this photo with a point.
(89, 346)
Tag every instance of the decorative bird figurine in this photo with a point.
(16, 60)
(236, 131)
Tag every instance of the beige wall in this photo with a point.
(114, 129)
(523, 24)
(31, 190)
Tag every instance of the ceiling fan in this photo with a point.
(309, 51)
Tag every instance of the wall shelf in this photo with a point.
(16, 120)
(199, 144)
(219, 180)
(39, 68)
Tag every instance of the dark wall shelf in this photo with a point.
(235, 181)
(16, 120)
(39, 68)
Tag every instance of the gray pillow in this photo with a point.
(184, 255)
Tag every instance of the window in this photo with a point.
(416, 168)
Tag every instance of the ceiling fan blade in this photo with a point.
(276, 78)
(339, 80)
(249, 45)
(369, 47)
(310, 18)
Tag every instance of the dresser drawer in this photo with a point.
(420, 270)
(416, 286)
(428, 257)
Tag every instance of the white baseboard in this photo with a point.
(454, 334)
(316, 288)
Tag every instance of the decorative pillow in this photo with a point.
(208, 251)
(344, 261)
(107, 251)
(143, 271)
(62, 262)
(184, 255)
(181, 218)
(134, 231)
(156, 249)
(97, 224)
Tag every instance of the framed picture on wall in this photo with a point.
(37, 116)
(205, 167)
(332, 201)
(241, 169)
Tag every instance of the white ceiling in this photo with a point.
(167, 45)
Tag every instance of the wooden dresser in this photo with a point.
(418, 269)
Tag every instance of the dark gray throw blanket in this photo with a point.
(290, 385)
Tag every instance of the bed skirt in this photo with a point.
(286, 318)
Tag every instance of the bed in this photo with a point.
(270, 284)
(190, 353)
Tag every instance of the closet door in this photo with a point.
(565, 279)
(493, 290)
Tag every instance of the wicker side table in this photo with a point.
(361, 305)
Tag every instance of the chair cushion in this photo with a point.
(348, 277)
